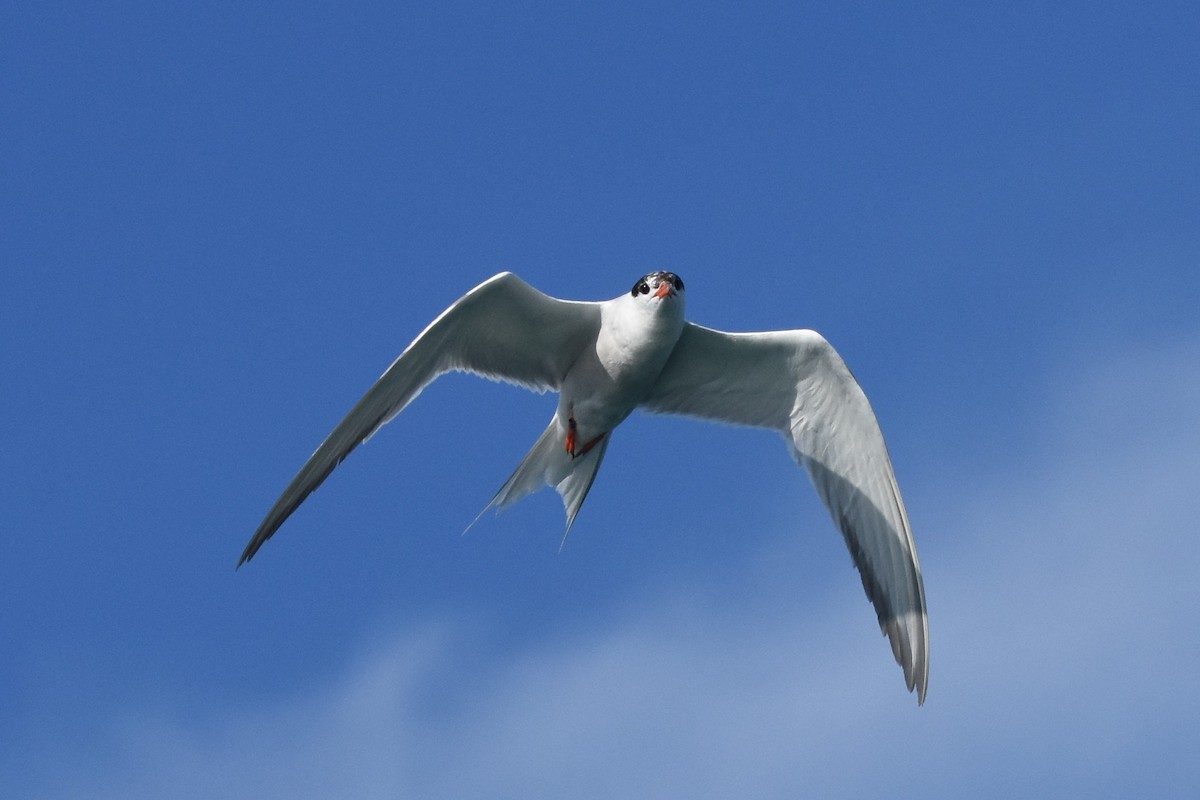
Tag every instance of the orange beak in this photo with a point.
(664, 289)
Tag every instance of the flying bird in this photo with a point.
(606, 359)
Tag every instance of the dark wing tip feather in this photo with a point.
(299, 489)
(894, 611)
(280, 513)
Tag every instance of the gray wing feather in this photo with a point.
(794, 382)
(503, 329)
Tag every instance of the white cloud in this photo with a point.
(1062, 612)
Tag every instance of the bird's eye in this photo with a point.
(678, 284)
(640, 287)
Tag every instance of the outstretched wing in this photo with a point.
(796, 383)
(503, 329)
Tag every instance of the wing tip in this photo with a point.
(917, 678)
(908, 635)
(909, 639)
(920, 685)
(251, 550)
(265, 531)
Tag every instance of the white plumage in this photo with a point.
(607, 358)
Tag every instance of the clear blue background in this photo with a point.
(221, 221)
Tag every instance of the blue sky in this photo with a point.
(222, 222)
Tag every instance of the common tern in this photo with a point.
(606, 359)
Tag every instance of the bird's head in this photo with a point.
(657, 288)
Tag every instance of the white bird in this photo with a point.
(636, 351)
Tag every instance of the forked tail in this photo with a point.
(548, 463)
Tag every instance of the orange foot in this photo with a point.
(571, 440)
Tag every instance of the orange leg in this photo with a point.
(571, 436)
(572, 439)
(588, 446)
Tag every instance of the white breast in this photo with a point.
(635, 340)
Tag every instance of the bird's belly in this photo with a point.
(599, 398)
(599, 412)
